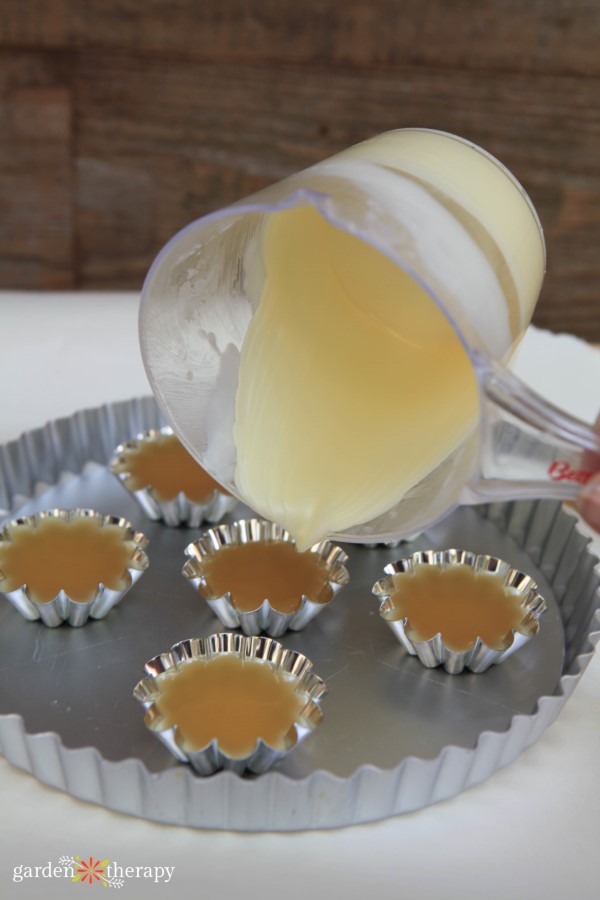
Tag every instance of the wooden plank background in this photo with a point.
(122, 120)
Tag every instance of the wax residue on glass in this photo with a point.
(230, 700)
(353, 385)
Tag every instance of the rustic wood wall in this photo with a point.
(121, 120)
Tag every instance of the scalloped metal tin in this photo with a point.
(278, 801)
(479, 657)
(265, 618)
(211, 758)
(180, 510)
(63, 608)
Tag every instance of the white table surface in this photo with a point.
(531, 830)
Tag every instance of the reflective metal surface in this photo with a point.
(209, 759)
(178, 511)
(265, 617)
(479, 656)
(395, 736)
(63, 608)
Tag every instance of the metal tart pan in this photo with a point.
(395, 737)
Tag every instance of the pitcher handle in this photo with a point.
(529, 448)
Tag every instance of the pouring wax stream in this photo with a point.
(353, 385)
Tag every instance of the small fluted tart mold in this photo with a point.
(479, 656)
(210, 758)
(181, 509)
(63, 608)
(264, 618)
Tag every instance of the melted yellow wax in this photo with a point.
(75, 555)
(353, 385)
(232, 701)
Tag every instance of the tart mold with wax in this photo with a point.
(264, 618)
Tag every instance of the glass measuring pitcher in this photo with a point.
(332, 349)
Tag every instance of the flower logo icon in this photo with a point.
(90, 871)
